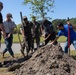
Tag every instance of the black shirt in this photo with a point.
(1, 21)
(27, 29)
(1, 18)
(48, 27)
(36, 27)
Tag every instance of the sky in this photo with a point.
(62, 9)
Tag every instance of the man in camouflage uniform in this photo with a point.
(36, 31)
(27, 35)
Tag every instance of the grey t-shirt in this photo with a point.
(8, 26)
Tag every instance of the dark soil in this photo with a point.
(48, 60)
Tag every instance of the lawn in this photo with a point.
(62, 39)
(16, 40)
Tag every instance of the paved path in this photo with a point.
(16, 47)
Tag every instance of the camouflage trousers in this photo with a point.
(27, 43)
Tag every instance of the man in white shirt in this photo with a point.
(9, 26)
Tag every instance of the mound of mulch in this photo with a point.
(48, 60)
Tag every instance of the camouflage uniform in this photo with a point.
(27, 39)
(36, 32)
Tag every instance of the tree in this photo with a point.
(56, 21)
(18, 29)
(73, 21)
(40, 7)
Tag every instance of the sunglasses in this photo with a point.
(25, 19)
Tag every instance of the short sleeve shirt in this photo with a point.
(8, 26)
(36, 27)
(64, 32)
(27, 29)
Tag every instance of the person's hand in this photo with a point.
(45, 39)
(43, 35)
(24, 38)
(4, 34)
(51, 43)
(9, 35)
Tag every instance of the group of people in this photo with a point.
(31, 31)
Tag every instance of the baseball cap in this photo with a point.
(24, 18)
(9, 15)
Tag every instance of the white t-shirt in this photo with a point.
(8, 26)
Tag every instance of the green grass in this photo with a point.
(16, 40)
(73, 54)
(62, 39)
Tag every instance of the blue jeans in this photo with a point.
(66, 45)
(8, 42)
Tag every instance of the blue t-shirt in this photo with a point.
(64, 32)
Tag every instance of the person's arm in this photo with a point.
(51, 32)
(2, 28)
(22, 32)
(12, 28)
(72, 26)
(10, 32)
(59, 34)
(48, 36)
(42, 31)
(54, 40)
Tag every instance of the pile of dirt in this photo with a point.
(48, 60)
